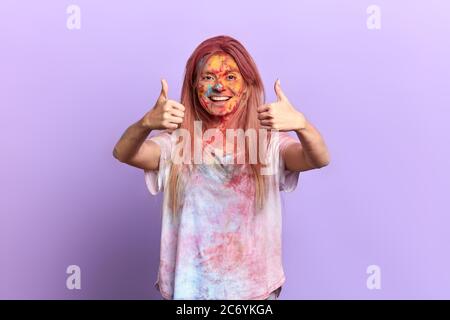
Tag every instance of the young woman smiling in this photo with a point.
(221, 222)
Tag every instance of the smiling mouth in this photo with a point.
(219, 98)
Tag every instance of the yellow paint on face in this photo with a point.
(220, 77)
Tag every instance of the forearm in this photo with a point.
(131, 141)
(314, 147)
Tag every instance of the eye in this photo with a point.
(231, 77)
(208, 77)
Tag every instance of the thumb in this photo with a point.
(164, 91)
(280, 95)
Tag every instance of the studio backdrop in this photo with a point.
(373, 77)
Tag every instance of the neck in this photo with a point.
(227, 121)
(222, 122)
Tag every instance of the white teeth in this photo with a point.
(219, 98)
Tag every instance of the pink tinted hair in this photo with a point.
(244, 117)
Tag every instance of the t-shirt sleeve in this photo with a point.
(156, 179)
(288, 179)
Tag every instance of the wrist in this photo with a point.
(301, 124)
(144, 124)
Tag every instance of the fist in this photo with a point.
(166, 114)
(280, 115)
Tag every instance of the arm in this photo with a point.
(133, 148)
(312, 152)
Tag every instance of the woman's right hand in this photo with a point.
(166, 114)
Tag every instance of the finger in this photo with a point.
(164, 91)
(176, 105)
(280, 94)
(266, 122)
(174, 119)
(264, 115)
(263, 108)
(171, 126)
(176, 112)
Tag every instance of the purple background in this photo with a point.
(380, 98)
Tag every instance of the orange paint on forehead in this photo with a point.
(221, 63)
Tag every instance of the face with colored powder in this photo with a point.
(220, 85)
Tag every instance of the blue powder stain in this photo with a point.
(209, 91)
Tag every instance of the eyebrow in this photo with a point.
(228, 71)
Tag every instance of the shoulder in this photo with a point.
(280, 140)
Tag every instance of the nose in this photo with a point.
(219, 87)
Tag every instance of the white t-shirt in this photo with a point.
(221, 247)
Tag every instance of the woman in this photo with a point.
(221, 220)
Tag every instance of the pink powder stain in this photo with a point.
(256, 263)
(226, 255)
(242, 183)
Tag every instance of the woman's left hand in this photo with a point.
(280, 115)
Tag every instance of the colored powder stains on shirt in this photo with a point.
(220, 246)
(225, 253)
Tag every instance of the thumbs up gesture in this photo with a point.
(166, 114)
(280, 115)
